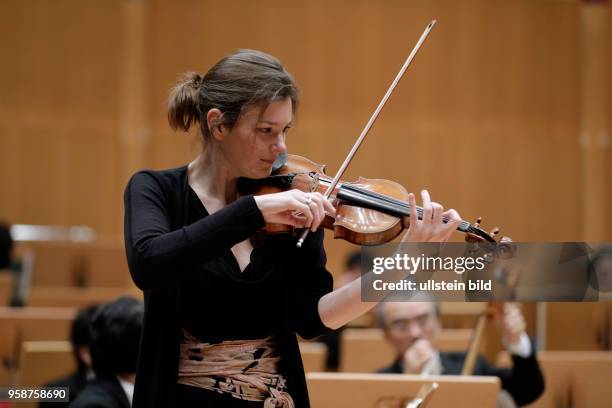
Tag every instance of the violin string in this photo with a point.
(404, 208)
(403, 205)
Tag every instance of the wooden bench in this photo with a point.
(589, 321)
(591, 384)
(26, 324)
(79, 264)
(314, 356)
(58, 263)
(574, 379)
(67, 296)
(108, 266)
(365, 350)
(42, 362)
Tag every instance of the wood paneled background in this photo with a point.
(505, 112)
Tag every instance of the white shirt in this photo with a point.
(128, 388)
(521, 348)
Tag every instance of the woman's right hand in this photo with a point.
(431, 228)
(295, 207)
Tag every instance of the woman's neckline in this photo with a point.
(202, 208)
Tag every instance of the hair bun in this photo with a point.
(194, 79)
(184, 102)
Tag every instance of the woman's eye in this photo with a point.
(265, 130)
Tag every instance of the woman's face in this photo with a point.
(257, 138)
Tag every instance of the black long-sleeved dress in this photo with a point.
(180, 256)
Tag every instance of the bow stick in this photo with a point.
(373, 118)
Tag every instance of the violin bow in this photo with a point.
(373, 118)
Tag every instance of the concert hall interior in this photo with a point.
(147, 259)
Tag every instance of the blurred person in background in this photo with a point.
(16, 269)
(412, 327)
(115, 331)
(6, 265)
(6, 248)
(80, 338)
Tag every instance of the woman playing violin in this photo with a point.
(222, 314)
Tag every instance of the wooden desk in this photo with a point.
(352, 390)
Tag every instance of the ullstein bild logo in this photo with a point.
(432, 285)
(468, 272)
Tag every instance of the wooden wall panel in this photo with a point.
(608, 139)
(58, 113)
(487, 118)
(594, 100)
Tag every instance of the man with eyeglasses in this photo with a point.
(412, 327)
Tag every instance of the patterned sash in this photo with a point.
(244, 369)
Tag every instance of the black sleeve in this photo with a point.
(93, 397)
(310, 281)
(394, 368)
(524, 381)
(155, 253)
(80, 403)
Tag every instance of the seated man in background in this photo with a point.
(115, 336)
(80, 339)
(412, 327)
(6, 264)
(15, 267)
(6, 247)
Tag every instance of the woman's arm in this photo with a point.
(154, 251)
(344, 304)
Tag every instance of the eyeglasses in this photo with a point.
(422, 321)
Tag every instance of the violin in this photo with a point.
(368, 211)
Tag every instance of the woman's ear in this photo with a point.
(214, 121)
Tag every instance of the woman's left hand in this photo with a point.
(436, 224)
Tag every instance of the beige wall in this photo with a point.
(488, 118)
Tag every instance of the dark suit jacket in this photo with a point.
(524, 381)
(75, 383)
(101, 393)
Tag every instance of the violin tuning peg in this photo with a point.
(495, 231)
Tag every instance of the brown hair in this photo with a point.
(237, 82)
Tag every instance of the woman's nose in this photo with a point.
(279, 145)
